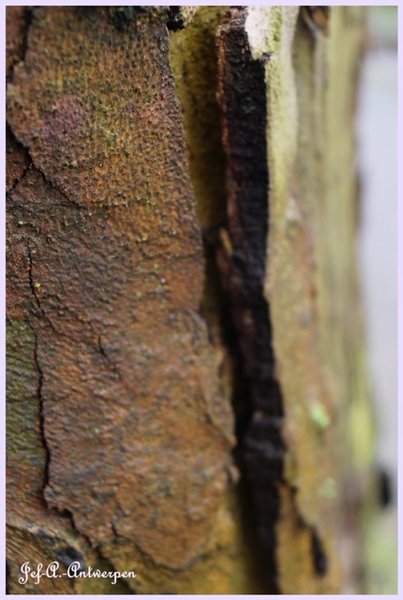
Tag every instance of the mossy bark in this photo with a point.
(125, 367)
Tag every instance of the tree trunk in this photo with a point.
(184, 345)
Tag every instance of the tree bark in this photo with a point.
(184, 344)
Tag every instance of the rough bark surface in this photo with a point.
(145, 368)
(105, 275)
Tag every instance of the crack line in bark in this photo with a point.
(67, 514)
(33, 166)
(17, 181)
(10, 135)
(33, 286)
(42, 418)
(101, 556)
(50, 183)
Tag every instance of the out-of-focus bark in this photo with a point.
(127, 345)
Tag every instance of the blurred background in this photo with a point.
(377, 255)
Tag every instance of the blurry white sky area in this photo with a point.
(377, 244)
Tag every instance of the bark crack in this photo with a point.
(34, 286)
(42, 418)
(241, 258)
(33, 165)
(66, 513)
(19, 148)
(17, 180)
(54, 185)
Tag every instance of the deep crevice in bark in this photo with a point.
(241, 256)
(233, 305)
(236, 254)
(260, 412)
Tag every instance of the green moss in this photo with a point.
(320, 416)
(276, 23)
(328, 489)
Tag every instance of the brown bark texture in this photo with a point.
(183, 325)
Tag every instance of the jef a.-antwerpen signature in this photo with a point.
(73, 571)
